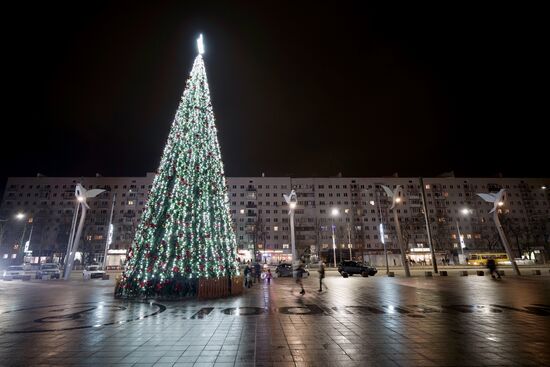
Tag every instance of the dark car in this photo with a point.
(349, 267)
(49, 269)
(285, 270)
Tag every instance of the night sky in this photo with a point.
(301, 90)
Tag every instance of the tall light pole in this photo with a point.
(461, 257)
(28, 243)
(71, 233)
(428, 226)
(110, 231)
(334, 213)
(349, 232)
(20, 249)
(498, 201)
(291, 199)
(395, 197)
(381, 227)
(81, 195)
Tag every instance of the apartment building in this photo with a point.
(261, 219)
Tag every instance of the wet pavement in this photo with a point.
(374, 321)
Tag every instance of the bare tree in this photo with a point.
(258, 234)
(513, 230)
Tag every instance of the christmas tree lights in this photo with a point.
(185, 232)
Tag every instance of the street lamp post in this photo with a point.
(396, 199)
(460, 237)
(498, 200)
(381, 227)
(349, 233)
(291, 200)
(21, 249)
(333, 214)
(109, 234)
(71, 233)
(27, 246)
(81, 195)
(428, 226)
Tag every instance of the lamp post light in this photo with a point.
(461, 257)
(394, 195)
(349, 232)
(21, 248)
(109, 234)
(334, 213)
(381, 227)
(81, 195)
(291, 199)
(498, 201)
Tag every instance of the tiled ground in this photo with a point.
(375, 321)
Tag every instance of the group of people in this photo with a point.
(299, 274)
(253, 274)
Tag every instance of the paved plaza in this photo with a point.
(374, 321)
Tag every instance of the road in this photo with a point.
(374, 321)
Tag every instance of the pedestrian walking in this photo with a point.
(492, 266)
(257, 271)
(298, 274)
(268, 276)
(321, 276)
(247, 277)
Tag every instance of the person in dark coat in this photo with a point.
(299, 272)
(247, 277)
(257, 272)
(492, 266)
(321, 276)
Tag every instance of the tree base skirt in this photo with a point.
(202, 288)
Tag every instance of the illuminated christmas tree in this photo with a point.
(185, 233)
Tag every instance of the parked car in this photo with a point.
(15, 272)
(50, 269)
(349, 267)
(286, 270)
(92, 271)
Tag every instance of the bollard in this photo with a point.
(480, 273)
(391, 274)
(463, 273)
(443, 273)
(428, 273)
(536, 272)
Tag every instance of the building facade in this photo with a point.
(261, 219)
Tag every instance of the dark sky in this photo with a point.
(366, 90)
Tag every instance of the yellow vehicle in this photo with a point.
(481, 259)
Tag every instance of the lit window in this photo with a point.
(241, 211)
(285, 245)
(130, 202)
(275, 228)
(427, 187)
